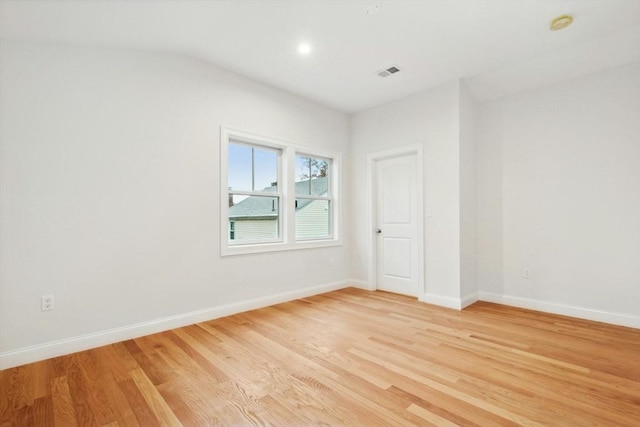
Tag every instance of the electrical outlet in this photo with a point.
(46, 302)
(526, 273)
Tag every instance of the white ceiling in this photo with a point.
(497, 46)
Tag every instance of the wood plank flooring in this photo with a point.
(349, 357)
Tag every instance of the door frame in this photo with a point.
(372, 158)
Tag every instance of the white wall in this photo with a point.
(109, 190)
(430, 118)
(468, 197)
(489, 202)
(559, 186)
(109, 194)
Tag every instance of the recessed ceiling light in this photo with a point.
(561, 22)
(304, 48)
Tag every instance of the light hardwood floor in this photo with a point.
(349, 357)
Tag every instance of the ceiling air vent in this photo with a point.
(388, 71)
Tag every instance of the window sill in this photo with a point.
(277, 247)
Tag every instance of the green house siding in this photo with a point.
(256, 217)
(313, 220)
(255, 229)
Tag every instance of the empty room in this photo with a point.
(319, 213)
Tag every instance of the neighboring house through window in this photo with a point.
(277, 196)
(313, 197)
(254, 197)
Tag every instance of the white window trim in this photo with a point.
(329, 198)
(278, 194)
(287, 239)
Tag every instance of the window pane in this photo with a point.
(239, 167)
(265, 170)
(254, 217)
(312, 176)
(312, 219)
(252, 168)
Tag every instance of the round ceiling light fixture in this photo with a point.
(561, 22)
(304, 48)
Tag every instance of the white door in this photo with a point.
(397, 250)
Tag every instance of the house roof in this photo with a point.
(266, 207)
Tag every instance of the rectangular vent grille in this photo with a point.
(387, 72)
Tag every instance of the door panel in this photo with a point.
(396, 264)
(397, 222)
(396, 194)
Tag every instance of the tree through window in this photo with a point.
(275, 197)
(313, 197)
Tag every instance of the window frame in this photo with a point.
(328, 198)
(286, 191)
(249, 193)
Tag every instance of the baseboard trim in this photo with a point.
(621, 319)
(450, 302)
(469, 299)
(361, 284)
(48, 350)
(443, 301)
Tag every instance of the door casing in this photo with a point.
(372, 158)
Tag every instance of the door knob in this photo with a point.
(378, 231)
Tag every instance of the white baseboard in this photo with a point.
(48, 350)
(361, 284)
(443, 301)
(70, 345)
(450, 302)
(469, 299)
(621, 319)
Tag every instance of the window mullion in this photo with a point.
(289, 168)
(240, 220)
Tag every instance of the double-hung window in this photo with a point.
(254, 195)
(276, 196)
(313, 197)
